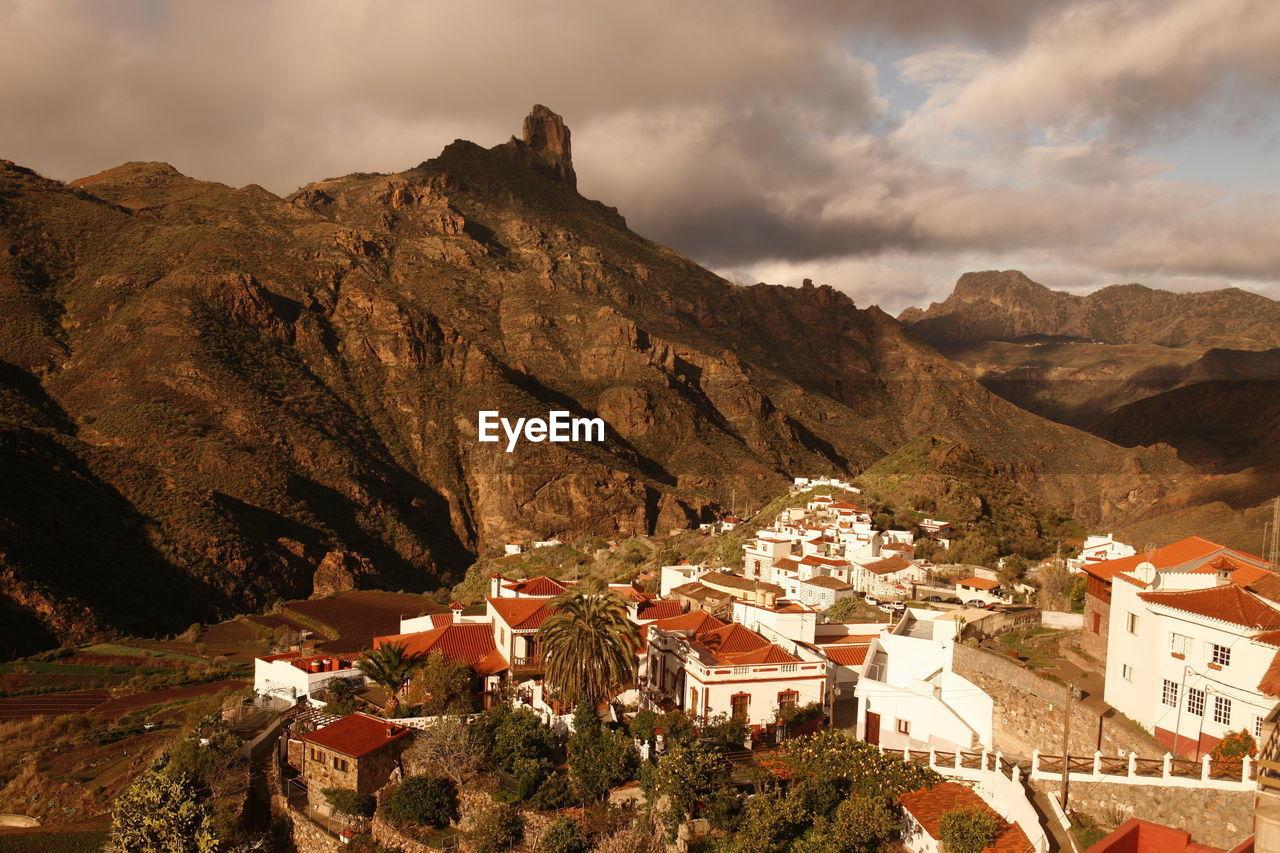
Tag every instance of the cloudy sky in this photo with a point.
(881, 147)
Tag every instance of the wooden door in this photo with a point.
(873, 728)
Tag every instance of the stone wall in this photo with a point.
(1219, 818)
(1029, 708)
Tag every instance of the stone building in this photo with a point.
(359, 752)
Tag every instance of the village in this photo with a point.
(828, 687)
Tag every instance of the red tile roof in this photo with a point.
(978, 583)
(889, 565)
(1226, 603)
(539, 586)
(696, 621)
(664, 609)
(1136, 835)
(828, 582)
(847, 654)
(929, 805)
(816, 560)
(1270, 681)
(1175, 554)
(1238, 571)
(737, 644)
(468, 642)
(521, 613)
(851, 638)
(356, 735)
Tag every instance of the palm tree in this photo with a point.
(589, 646)
(391, 666)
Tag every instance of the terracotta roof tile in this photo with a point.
(1270, 682)
(978, 583)
(696, 621)
(468, 642)
(889, 565)
(539, 586)
(356, 735)
(521, 613)
(659, 609)
(1175, 554)
(929, 805)
(847, 654)
(1226, 603)
(828, 582)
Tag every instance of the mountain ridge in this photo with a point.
(243, 387)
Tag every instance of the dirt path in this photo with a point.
(124, 704)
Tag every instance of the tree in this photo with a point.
(161, 813)
(968, 830)
(1054, 580)
(770, 823)
(598, 758)
(726, 729)
(447, 685)
(1235, 746)
(642, 835)
(860, 825)
(564, 835)
(828, 755)
(390, 666)
(339, 697)
(517, 743)
(350, 802)
(424, 800)
(589, 646)
(498, 827)
(679, 774)
(844, 609)
(447, 748)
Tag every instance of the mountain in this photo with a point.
(1007, 306)
(212, 397)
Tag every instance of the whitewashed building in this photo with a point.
(292, 676)
(1192, 656)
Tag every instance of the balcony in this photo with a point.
(531, 665)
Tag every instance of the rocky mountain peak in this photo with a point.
(545, 147)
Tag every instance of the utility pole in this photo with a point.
(1066, 740)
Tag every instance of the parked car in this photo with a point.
(952, 600)
(933, 598)
(976, 602)
(872, 600)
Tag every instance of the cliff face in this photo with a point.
(1002, 306)
(215, 396)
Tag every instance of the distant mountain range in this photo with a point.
(214, 397)
(1008, 306)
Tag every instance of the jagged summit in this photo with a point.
(545, 147)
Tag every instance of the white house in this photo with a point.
(707, 667)
(670, 577)
(889, 577)
(512, 548)
(823, 591)
(1098, 548)
(759, 555)
(1192, 656)
(909, 696)
(292, 676)
(979, 589)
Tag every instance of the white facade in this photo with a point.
(278, 676)
(1099, 547)
(1187, 677)
(671, 577)
(909, 697)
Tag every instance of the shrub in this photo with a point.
(425, 800)
(350, 802)
(967, 830)
(553, 794)
(564, 835)
(498, 827)
(1235, 746)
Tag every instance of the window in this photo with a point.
(1179, 644)
(787, 699)
(340, 764)
(1131, 622)
(316, 755)
(904, 727)
(1170, 696)
(1222, 710)
(1097, 623)
(739, 703)
(1220, 655)
(1195, 701)
(1126, 672)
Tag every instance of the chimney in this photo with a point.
(456, 609)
